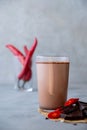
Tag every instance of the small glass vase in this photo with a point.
(21, 84)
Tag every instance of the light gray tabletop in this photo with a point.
(19, 111)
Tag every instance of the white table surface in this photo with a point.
(19, 111)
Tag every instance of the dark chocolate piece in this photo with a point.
(70, 109)
(76, 111)
(76, 115)
(85, 113)
(82, 105)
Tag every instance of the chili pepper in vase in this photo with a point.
(26, 50)
(25, 60)
(21, 58)
(16, 52)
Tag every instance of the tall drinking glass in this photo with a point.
(52, 80)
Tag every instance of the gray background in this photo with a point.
(59, 25)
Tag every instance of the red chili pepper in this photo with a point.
(34, 46)
(16, 52)
(27, 60)
(55, 114)
(71, 101)
(25, 67)
(26, 73)
(21, 58)
(26, 50)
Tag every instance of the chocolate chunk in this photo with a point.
(76, 115)
(82, 105)
(76, 111)
(85, 113)
(70, 109)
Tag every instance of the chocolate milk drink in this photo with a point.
(52, 79)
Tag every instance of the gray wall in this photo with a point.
(59, 25)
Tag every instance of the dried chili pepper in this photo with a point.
(16, 52)
(26, 49)
(27, 59)
(33, 46)
(26, 52)
(21, 58)
(28, 75)
(25, 67)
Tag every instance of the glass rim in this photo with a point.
(41, 58)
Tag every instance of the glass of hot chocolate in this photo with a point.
(52, 81)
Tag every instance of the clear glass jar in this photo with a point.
(21, 84)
